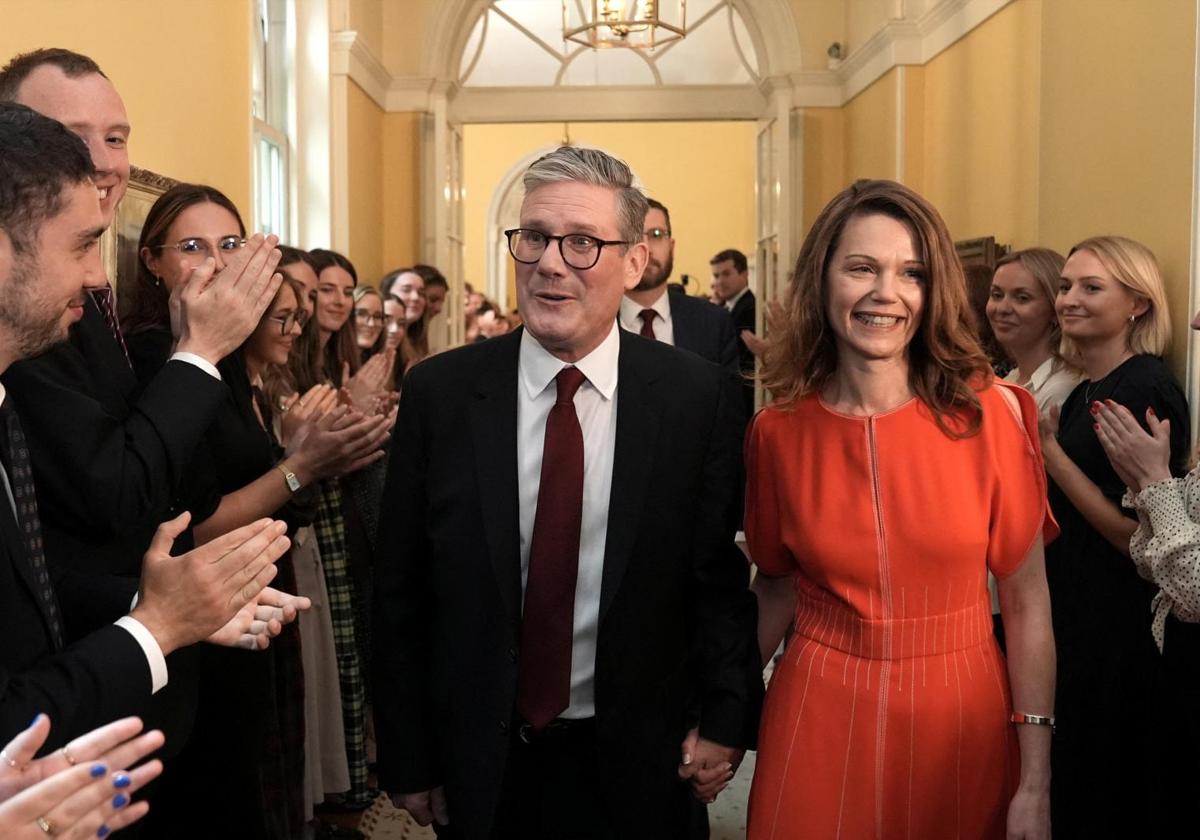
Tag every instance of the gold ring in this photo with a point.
(7, 760)
(67, 755)
(44, 825)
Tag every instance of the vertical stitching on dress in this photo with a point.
(792, 744)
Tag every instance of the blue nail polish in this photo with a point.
(121, 780)
(36, 718)
(102, 831)
(98, 770)
(120, 800)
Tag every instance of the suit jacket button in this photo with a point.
(512, 654)
(503, 727)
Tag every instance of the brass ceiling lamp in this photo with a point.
(635, 24)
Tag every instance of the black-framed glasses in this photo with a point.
(371, 319)
(655, 234)
(285, 322)
(578, 250)
(197, 246)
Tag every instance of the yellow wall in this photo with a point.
(824, 161)
(186, 86)
(972, 120)
(702, 172)
(401, 231)
(364, 136)
(870, 138)
(1118, 94)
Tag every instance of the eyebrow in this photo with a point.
(875, 259)
(89, 236)
(124, 128)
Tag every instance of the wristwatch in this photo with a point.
(293, 483)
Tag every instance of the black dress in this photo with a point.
(1106, 751)
(248, 739)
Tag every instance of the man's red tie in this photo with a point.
(647, 316)
(547, 625)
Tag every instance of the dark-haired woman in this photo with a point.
(185, 226)
(887, 478)
(408, 286)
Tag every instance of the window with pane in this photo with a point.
(273, 115)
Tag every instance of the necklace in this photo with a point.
(1093, 388)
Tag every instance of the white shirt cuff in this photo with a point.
(154, 654)
(192, 359)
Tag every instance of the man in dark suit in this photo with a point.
(731, 283)
(559, 601)
(686, 322)
(109, 458)
(50, 225)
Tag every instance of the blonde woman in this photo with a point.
(1020, 310)
(1112, 308)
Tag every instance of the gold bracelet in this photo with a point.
(1036, 720)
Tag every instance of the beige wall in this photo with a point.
(400, 234)
(1118, 95)
(973, 120)
(365, 138)
(703, 173)
(186, 86)
(870, 139)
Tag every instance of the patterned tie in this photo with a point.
(547, 626)
(647, 316)
(104, 300)
(20, 479)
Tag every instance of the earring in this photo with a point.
(157, 281)
(1131, 318)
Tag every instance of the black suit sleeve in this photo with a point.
(403, 607)
(102, 677)
(102, 467)
(725, 642)
(727, 340)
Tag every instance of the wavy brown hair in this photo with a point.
(946, 363)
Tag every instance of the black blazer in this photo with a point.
(107, 459)
(677, 622)
(94, 681)
(743, 319)
(705, 329)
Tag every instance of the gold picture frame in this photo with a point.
(119, 245)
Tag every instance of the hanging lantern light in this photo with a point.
(636, 24)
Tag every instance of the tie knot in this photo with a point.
(568, 381)
(647, 316)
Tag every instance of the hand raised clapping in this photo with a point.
(1138, 458)
(81, 790)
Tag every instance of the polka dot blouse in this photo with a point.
(1166, 546)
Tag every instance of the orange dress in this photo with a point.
(887, 716)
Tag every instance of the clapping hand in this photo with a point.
(318, 401)
(371, 380)
(80, 790)
(261, 620)
(1138, 458)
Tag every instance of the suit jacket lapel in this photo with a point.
(638, 418)
(494, 435)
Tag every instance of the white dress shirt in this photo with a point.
(145, 639)
(664, 329)
(732, 302)
(1050, 384)
(596, 407)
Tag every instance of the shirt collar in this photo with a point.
(538, 367)
(631, 309)
(1044, 372)
(732, 302)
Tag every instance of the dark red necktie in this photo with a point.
(547, 625)
(647, 316)
(104, 301)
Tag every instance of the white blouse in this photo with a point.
(1050, 384)
(1166, 546)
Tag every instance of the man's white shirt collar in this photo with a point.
(538, 367)
(732, 302)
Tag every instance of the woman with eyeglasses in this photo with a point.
(369, 320)
(239, 474)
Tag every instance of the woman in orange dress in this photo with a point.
(889, 476)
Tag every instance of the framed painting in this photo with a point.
(119, 245)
